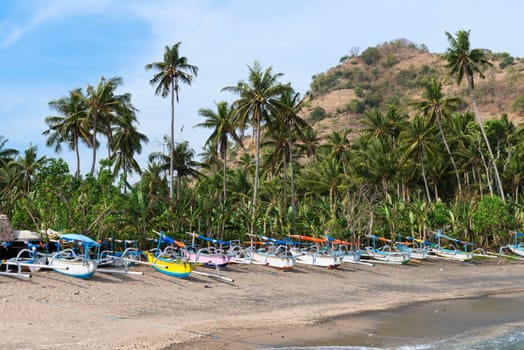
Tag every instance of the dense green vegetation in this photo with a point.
(409, 173)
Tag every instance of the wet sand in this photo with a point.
(262, 308)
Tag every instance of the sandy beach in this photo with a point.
(263, 307)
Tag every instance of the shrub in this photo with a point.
(318, 114)
(370, 55)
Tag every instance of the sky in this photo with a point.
(49, 47)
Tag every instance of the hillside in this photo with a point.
(395, 73)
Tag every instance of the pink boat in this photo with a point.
(208, 257)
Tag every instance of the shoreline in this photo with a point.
(262, 307)
(359, 327)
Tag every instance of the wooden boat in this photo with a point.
(319, 253)
(517, 248)
(278, 257)
(169, 261)
(70, 261)
(416, 248)
(211, 256)
(273, 253)
(385, 254)
(166, 263)
(129, 256)
(451, 252)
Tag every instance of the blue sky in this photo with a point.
(48, 47)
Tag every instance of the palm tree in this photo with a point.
(6, 154)
(183, 163)
(223, 124)
(418, 142)
(28, 166)
(309, 143)
(127, 142)
(295, 127)
(105, 108)
(463, 61)
(436, 107)
(258, 99)
(170, 72)
(70, 126)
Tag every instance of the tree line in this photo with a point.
(264, 169)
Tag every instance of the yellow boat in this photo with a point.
(175, 267)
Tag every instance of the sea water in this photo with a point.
(511, 338)
(489, 323)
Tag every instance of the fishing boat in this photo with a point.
(352, 255)
(416, 248)
(517, 247)
(129, 256)
(170, 260)
(26, 260)
(316, 252)
(272, 253)
(450, 251)
(76, 261)
(385, 254)
(211, 256)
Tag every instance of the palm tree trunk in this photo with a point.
(95, 120)
(224, 171)
(257, 166)
(172, 143)
(424, 178)
(293, 205)
(483, 132)
(77, 154)
(486, 168)
(451, 158)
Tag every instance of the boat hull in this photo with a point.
(277, 261)
(210, 260)
(319, 260)
(387, 257)
(453, 254)
(74, 268)
(516, 249)
(171, 267)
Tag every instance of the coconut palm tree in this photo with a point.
(418, 142)
(170, 72)
(183, 163)
(70, 127)
(6, 154)
(295, 127)
(259, 98)
(105, 108)
(126, 142)
(28, 166)
(223, 124)
(436, 107)
(466, 62)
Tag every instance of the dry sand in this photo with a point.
(263, 306)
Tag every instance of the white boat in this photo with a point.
(279, 257)
(70, 262)
(516, 248)
(386, 256)
(318, 258)
(451, 252)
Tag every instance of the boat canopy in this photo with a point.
(86, 241)
(208, 239)
(439, 234)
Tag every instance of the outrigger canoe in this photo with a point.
(169, 261)
(69, 262)
(171, 266)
